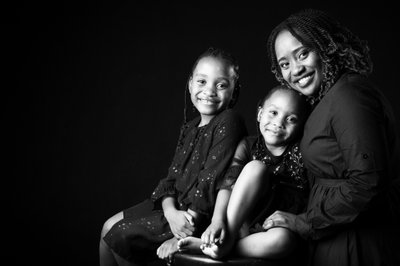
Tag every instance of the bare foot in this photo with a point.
(218, 251)
(191, 244)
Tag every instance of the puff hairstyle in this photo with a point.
(339, 49)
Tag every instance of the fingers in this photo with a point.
(222, 237)
(205, 237)
(268, 223)
(189, 218)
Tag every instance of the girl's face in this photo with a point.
(301, 67)
(211, 87)
(280, 119)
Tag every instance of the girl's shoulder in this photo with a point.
(228, 114)
(229, 118)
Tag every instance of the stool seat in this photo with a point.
(187, 259)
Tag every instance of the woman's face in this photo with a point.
(300, 66)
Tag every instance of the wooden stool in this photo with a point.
(186, 259)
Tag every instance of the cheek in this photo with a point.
(285, 75)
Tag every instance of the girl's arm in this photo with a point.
(226, 136)
(180, 222)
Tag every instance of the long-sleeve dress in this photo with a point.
(350, 150)
(201, 158)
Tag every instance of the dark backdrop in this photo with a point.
(94, 101)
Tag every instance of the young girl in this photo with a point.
(182, 203)
(350, 143)
(267, 173)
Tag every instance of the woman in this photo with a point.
(350, 145)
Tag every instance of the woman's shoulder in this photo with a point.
(352, 83)
(351, 88)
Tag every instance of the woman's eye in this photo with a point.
(303, 54)
(284, 65)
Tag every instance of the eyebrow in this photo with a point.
(295, 51)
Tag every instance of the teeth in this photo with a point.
(304, 80)
(204, 101)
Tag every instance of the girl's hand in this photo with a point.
(167, 250)
(181, 223)
(281, 219)
(215, 233)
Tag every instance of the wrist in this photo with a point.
(169, 212)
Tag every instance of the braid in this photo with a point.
(230, 60)
(340, 50)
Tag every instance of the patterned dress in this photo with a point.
(194, 177)
(289, 187)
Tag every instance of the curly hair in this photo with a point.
(339, 49)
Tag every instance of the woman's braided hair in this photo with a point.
(340, 50)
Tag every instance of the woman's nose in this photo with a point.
(297, 68)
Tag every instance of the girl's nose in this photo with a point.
(210, 90)
(278, 122)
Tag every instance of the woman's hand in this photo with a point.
(281, 219)
(215, 233)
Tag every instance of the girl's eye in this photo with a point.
(222, 86)
(292, 119)
(201, 81)
(273, 112)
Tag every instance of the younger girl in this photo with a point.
(182, 203)
(268, 174)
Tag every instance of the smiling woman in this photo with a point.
(350, 144)
(300, 65)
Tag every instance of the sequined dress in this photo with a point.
(289, 187)
(201, 158)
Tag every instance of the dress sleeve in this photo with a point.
(166, 186)
(225, 137)
(238, 162)
(359, 126)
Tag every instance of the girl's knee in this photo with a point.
(255, 170)
(283, 239)
(110, 223)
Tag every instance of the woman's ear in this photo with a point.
(259, 113)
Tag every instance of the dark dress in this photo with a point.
(288, 186)
(350, 150)
(201, 158)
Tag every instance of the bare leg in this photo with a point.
(107, 256)
(275, 243)
(250, 186)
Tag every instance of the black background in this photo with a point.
(94, 101)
